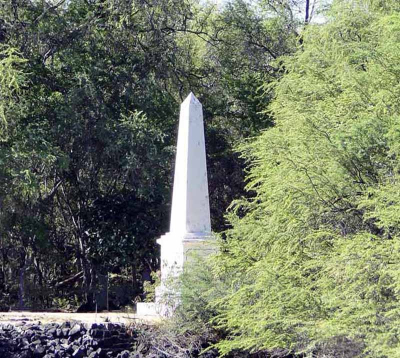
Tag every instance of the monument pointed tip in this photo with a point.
(191, 99)
(191, 95)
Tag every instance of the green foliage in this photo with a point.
(199, 285)
(11, 80)
(189, 332)
(86, 162)
(314, 256)
(149, 287)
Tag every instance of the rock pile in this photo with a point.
(69, 339)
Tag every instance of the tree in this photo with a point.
(89, 155)
(11, 80)
(313, 258)
(89, 159)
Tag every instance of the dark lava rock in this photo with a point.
(28, 333)
(79, 352)
(94, 355)
(39, 351)
(25, 354)
(8, 327)
(64, 341)
(23, 342)
(36, 342)
(96, 333)
(124, 354)
(75, 330)
(52, 331)
(65, 332)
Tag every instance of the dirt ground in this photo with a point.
(59, 317)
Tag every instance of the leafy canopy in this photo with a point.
(315, 255)
(11, 78)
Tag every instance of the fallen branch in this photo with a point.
(68, 280)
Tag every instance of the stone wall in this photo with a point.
(69, 339)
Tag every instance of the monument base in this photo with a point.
(150, 309)
(176, 250)
(164, 305)
(147, 309)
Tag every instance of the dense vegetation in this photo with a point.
(311, 263)
(90, 94)
(89, 99)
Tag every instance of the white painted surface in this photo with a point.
(145, 309)
(190, 202)
(190, 227)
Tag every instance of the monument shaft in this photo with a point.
(190, 203)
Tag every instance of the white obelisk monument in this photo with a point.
(190, 227)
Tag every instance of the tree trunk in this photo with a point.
(307, 16)
(102, 295)
(87, 277)
(21, 290)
